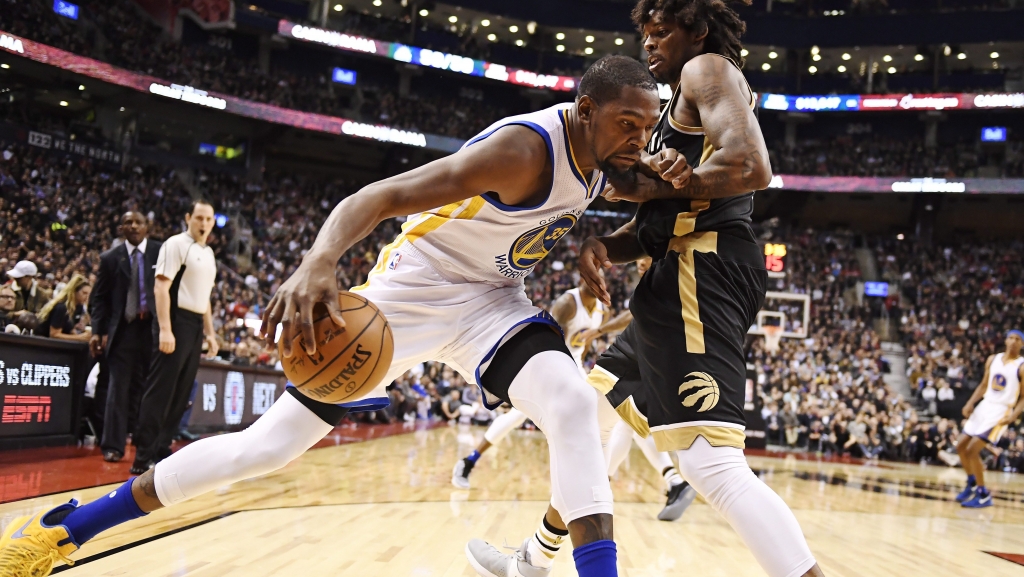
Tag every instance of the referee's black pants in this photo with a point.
(168, 387)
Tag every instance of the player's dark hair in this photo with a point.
(605, 79)
(723, 24)
(197, 201)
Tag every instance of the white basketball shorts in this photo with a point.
(984, 421)
(433, 318)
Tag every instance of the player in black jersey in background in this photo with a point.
(693, 307)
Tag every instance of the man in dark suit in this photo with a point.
(122, 309)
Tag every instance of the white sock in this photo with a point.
(672, 477)
(545, 544)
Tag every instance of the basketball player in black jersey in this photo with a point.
(678, 369)
(693, 307)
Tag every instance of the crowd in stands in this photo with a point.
(60, 213)
(123, 36)
(880, 156)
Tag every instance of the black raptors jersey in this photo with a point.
(658, 221)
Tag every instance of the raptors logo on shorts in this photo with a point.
(700, 386)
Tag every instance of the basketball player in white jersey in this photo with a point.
(576, 311)
(451, 288)
(1001, 404)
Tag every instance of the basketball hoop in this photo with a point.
(772, 336)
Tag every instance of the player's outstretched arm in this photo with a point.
(513, 162)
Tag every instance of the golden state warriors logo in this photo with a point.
(998, 383)
(706, 388)
(532, 246)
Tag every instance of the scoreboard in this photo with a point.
(775, 259)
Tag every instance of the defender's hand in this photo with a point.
(167, 342)
(594, 257)
(313, 282)
(671, 167)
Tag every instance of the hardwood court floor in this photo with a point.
(385, 508)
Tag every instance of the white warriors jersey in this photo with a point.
(1004, 381)
(582, 321)
(482, 240)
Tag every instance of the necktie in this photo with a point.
(131, 307)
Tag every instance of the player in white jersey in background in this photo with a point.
(1001, 404)
(576, 311)
(451, 287)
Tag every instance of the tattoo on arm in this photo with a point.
(750, 165)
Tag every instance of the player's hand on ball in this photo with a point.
(672, 167)
(167, 342)
(594, 257)
(292, 305)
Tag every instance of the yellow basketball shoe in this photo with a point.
(29, 547)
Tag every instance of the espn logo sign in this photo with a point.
(25, 409)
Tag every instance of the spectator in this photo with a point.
(65, 316)
(8, 298)
(30, 296)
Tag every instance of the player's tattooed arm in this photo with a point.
(738, 162)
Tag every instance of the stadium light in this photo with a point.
(589, 38)
(377, 3)
(122, 109)
(816, 57)
(812, 69)
(63, 102)
(560, 36)
(815, 50)
(766, 66)
(485, 23)
(887, 58)
(424, 12)
(899, 236)
(81, 87)
(744, 52)
(918, 57)
(841, 68)
(588, 50)
(961, 56)
(531, 27)
(947, 50)
(891, 70)
(619, 41)
(773, 55)
(994, 55)
(513, 29)
(520, 42)
(453, 19)
(339, 7)
(492, 37)
(560, 48)
(5, 66)
(846, 56)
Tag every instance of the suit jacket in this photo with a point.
(106, 305)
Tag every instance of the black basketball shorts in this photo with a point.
(682, 355)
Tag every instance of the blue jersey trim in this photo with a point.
(542, 317)
(366, 405)
(551, 154)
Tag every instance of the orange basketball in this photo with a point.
(347, 364)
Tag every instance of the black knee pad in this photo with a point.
(515, 353)
(330, 414)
